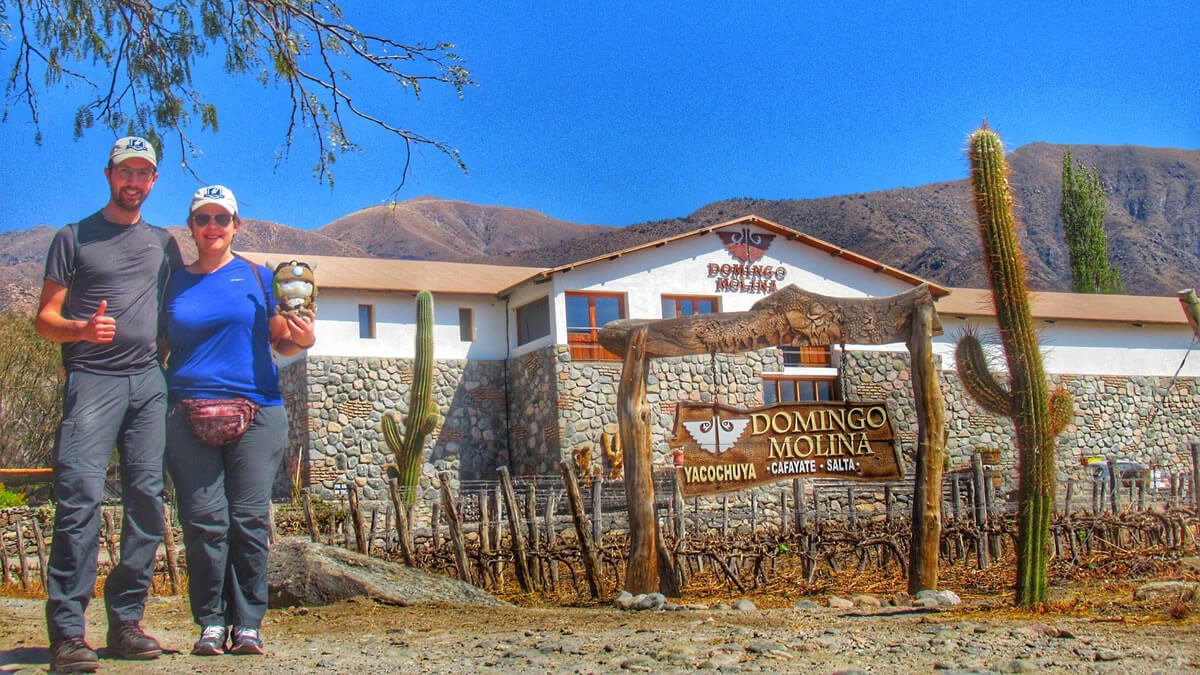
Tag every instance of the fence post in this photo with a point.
(1114, 489)
(981, 516)
(537, 572)
(455, 525)
(168, 546)
(520, 562)
(5, 578)
(23, 563)
(597, 510)
(308, 517)
(404, 533)
(798, 499)
(1195, 447)
(591, 564)
(360, 535)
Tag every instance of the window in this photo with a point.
(687, 305)
(366, 322)
(533, 321)
(799, 389)
(466, 324)
(809, 357)
(586, 314)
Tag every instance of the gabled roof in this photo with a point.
(1053, 306)
(384, 274)
(785, 232)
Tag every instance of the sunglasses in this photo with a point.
(222, 219)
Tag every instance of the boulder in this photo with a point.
(302, 573)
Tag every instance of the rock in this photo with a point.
(649, 601)
(624, 600)
(942, 598)
(806, 604)
(839, 603)
(744, 605)
(864, 600)
(902, 599)
(1185, 590)
(302, 573)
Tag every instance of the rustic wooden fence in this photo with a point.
(552, 534)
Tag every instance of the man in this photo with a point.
(100, 299)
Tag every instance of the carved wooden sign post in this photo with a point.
(725, 449)
(788, 317)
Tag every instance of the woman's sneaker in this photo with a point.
(246, 641)
(211, 642)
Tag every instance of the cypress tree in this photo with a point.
(1082, 213)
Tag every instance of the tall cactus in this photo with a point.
(1037, 416)
(422, 410)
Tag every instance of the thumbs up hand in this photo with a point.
(100, 328)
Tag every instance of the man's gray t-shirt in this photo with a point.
(127, 265)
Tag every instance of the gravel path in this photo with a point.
(365, 637)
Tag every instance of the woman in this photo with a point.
(221, 326)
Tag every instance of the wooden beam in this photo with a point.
(788, 317)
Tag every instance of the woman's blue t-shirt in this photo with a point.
(216, 327)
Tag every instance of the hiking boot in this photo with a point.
(73, 655)
(246, 641)
(211, 642)
(127, 640)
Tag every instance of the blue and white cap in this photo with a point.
(214, 194)
(130, 147)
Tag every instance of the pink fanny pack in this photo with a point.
(219, 421)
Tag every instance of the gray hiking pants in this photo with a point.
(224, 497)
(102, 412)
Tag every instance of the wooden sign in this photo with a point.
(720, 448)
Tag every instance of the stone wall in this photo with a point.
(347, 397)
(531, 412)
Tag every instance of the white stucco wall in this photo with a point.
(395, 329)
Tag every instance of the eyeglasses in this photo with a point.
(222, 219)
(140, 175)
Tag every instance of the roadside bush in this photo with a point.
(31, 382)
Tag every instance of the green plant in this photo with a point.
(1037, 416)
(409, 446)
(8, 498)
(1082, 212)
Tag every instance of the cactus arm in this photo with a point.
(978, 380)
(1062, 409)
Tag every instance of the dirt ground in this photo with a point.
(1097, 629)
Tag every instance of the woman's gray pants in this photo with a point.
(224, 497)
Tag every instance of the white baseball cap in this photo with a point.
(214, 194)
(130, 147)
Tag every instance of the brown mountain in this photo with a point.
(1153, 224)
(1152, 221)
(428, 228)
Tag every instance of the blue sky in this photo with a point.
(617, 113)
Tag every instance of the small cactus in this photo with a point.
(1038, 417)
(422, 410)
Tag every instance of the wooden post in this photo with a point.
(783, 510)
(456, 530)
(169, 546)
(989, 504)
(41, 551)
(5, 577)
(798, 500)
(680, 515)
(1067, 498)
(633, 418)
(1195, 447)
(22, 563)
(888, 499)
(435, 524)
(591, 563)
(724, 516)
(360, 534)
(597, 510)
(485, 537)
(536, 570)
(931, 439)
(403, 531)
(852, 505)
(498, 533)
(272, 535)
(308, 517)
(981, 516)
(110, 536)
(520, 562)
(1114, 486)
